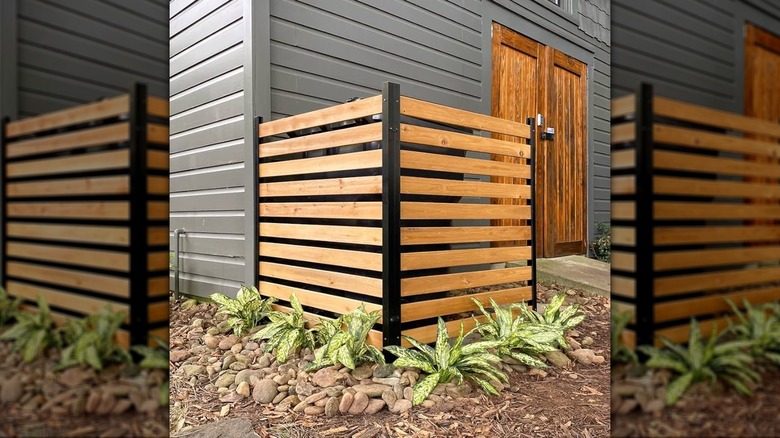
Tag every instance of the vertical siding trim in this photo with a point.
(9, 98)
(257, 102)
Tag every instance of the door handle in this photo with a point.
(548, 134)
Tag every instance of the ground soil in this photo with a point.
(710, 411)
(565, 403)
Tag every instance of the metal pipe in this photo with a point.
(176, 233)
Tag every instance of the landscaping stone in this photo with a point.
(401, 406)
(334, 391)
(346, 402)
(265, 391)
(234, 427)
(227, 342)
(359, 404)
(192, 370)
(279, 397)
(243, 389)
(236, 348)
(383, 371)
(300, 406)
(304, 388)
(210, 341)
(558, 359)
(374, 405)
(587, 341)
(363, 372)
(462, 390)
(408, 393)
(75, 376)
(315, 397)
(371, 389)
(332, 406)
(11, 390)
(327, 377)
(225, 380)
(390, 381)
(389, 398)
(314, 410)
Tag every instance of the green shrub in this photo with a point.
(620, 352)
(346, 346)
(8, 307)
(33, 332)
(244, 312)
(287, 332)
(156, 358)
(761, 325)
(699, 361)
(445, 362)
(602, 247)
(521, 340)
(553, 315)
(90, 341)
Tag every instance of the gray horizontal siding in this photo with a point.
(75, 52)
(207, 108)
(324, 53)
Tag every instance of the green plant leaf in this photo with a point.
(677, 387)
(424, 387)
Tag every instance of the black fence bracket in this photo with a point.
(139, 226)
(644, 216)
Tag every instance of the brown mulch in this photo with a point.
(707, 411)
(565, 403)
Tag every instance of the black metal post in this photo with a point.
(256, 172)
(391, 214)
(531, 121)
(644, 225)
(139, 272)
(3, 204)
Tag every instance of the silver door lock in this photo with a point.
(548, 134)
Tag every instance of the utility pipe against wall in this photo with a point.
(176, 233)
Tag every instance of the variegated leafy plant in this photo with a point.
(553, 315)
(445, 362)
(619, 351)
(521, 340)
(156, 358)
(33, 332)
(346, 344)
(286, 332)
(760, 325)
(90, 341)
(8, 307)
(245, 311)
(701, 361)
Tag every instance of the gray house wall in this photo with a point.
(691, 50)
(309, 54)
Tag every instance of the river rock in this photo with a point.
(265, 391)
(304, 388)
(210, 341)
(389, 397)
(332, 407)
(371, 389)
(228, 342)
(243, 389)
(385, 370)
(11, 390)
(192, 370)
(558, 359)
(401, 406)
(359, 404)
(314, 398)
(178, 355)
(374, 405)
(363, 372)
(225, 380)
(327, 377)
(346, 402)
(314, 410)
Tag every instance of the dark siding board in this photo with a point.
(629, 80)
(704, 11)
(212, 112)
(209, 178)
(193, 15)
(152, 10)
(176, 7)
(211, 68)
(91, 50)
(215, 21)
(208, 135)
(210, 244)
(53, 14)
(211, 266)
(449, 10)
(306, 84)
(216, 222)
(131, 22)
(207, 48)
(33, 103)
(223, 85)
(328, 46)
(54, 84)
(205, 286)
(209, 156)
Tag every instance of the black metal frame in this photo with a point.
(644, 226)
(139, 254)
(256, 177)
(531, 121)
(391, 214)
(3, 201)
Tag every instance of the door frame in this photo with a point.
(565, 40)
(548, 58)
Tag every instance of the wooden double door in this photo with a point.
(529, 78)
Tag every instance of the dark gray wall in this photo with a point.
(304, 55)
(207, 142)
(691, 50)
(74, 52)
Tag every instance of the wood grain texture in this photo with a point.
(323, 233)
(359, 185)
(106, 210)
(66, 300)
(679, 284)
(104, 284)
(462, 303)
(623, 210)
(668, 185)
(114, 260)
(112, 107)
(712, 304)
(445, 163)
(324, 140)
(106, 160)
(433, 235)
(317, 300)
(71, 233)
(707, 211)
(337, 113)
(104, 185)
(462, 257)
(329, 256)
(714, 234)
(462, 280)
(464, 142)
(445, 187)
(437, 210)
(322, 210)
(102, 135)
(716, 165)
(332, 163)
(452, 116)
(318, 277)
(623, 106)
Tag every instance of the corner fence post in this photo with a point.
(3, 209)
(391, 215)
(255, 231)
(644, 225)
(531, 121)
(139, 273)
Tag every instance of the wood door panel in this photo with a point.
(528, 79)
(762, 97)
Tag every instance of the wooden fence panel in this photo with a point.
(85, 197)
(695, 217)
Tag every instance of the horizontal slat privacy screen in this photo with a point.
(695, 214)
(368, 202)
(85, 211)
